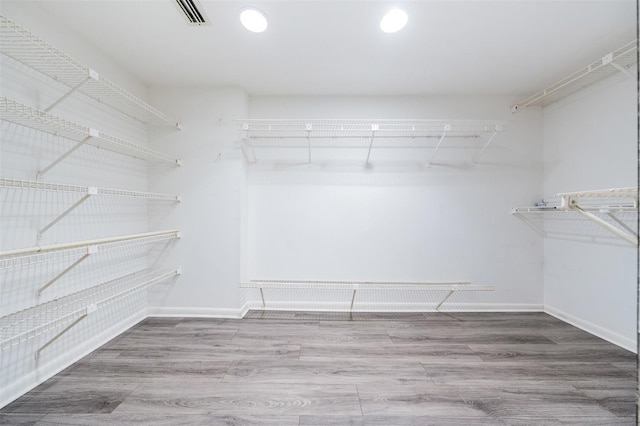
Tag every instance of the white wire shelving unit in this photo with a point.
(87, 192)
(34, 118)
(449, 287)
(77, 252)
(620, 60)
(25, 47)
(365, 133)
(613, 210)
(64, 313)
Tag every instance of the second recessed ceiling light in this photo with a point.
(253, 20)
(394, 21)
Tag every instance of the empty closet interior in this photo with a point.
(157, 164)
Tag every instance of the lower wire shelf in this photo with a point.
(354, 286)
(63, 313)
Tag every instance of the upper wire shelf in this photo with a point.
(34, 118)
(362, 128)
(33, 185)
(620, 60)
(64, 312)
(363, 133)
(27, 48)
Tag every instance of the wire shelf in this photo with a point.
(27, 324)
(34, 118)
(259, 129)
(597, 215)
(449, 288)
(32, 185)
(363, 285)
(43, 254)
(622, 59)
(366, 133)
(27, 48)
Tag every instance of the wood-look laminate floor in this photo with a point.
(296, 368)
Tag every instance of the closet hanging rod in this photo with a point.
(77, 244)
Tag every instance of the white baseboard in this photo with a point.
(50, 369)
(173, 312)
(608, 335)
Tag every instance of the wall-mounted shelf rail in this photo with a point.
(602, 207)
(620, 60)
(34, 118)
(86, 192)
(56, 252)
(354, 286)
(364, 133)
(27, 48)
(64, 313)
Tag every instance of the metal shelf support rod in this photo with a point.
(90, 250)
(309, 127)
(61, 333)
(622, 69)
(374, 128)
(621, 223)
(353, 299)
(264, 305)
(444, 300)
(631, 239)
(63, 214)
(447, 128)
(479, 153)
(92, 76)
(92, 133)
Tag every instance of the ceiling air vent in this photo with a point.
(193, 11)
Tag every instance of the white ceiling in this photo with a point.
(336, 48)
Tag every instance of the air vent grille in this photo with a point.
(193, 11)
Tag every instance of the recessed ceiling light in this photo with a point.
(253, 20)
(394, 21)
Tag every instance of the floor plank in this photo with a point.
(314, 368)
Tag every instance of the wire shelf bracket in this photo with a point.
(620, 60)
(27, 48)
(586, 203)
(354, 286)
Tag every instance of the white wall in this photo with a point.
(397, 220)
(23, 152)
(212, 183)
(590, 142)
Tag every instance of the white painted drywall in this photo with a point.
(212, 183)
(590, 142)
(398, 220)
